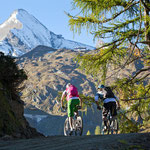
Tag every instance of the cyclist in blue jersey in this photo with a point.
(109, 102)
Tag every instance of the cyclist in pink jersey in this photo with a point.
(73, 99)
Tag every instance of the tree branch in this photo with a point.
(145, 5)
(144, 77)
(135, 99)
(145, 42)
(120, 68)
(119, 12)
(88, 19)
(136, 39)
(142, 70)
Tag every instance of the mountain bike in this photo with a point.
(112, 125)
(77, 124)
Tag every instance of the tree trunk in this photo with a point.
(147, 34)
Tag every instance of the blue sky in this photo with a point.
(50, 13)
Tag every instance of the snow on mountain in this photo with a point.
(23, 32)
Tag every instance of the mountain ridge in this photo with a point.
(22, 32)
(49, 70)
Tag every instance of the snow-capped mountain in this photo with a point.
(22, 32)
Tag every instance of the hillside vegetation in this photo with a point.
(12, 121)
(48, 73)
(123, 33)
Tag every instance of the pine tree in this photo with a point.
(11, 76)
(97, 130)
(88, 133)
(124, 26)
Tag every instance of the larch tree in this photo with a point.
(97, 130)
(88, 133)
(124, 26)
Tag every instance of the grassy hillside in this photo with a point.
(12, 121)
(49, 71)
(48, 74)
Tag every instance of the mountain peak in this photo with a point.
(22, 32)
(18, 12)
(14, 15)
(11, 23)
(21, 10)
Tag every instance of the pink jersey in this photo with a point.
(71, 92)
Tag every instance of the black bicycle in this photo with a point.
(77, 125)
(112, 125)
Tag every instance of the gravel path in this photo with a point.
(135, 141)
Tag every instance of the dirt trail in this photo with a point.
(100, 142)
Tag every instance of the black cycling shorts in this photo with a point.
(109, 106)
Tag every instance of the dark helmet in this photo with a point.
(101, 86)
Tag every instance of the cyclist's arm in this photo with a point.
(97, 103)
(80, 101)
(118, 104)
(62, 97)
(117, 101)
(97, 96)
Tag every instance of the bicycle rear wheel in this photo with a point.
(102, 130)
(114, 126)
(78, 126)
(108, 126)
(67, 127)
(105, 131)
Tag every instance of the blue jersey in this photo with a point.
(100, 95)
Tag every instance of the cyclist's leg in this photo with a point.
(76, 102)
(113, 109)
(71, 109)
(70, 114)
(114, 123)
(105, 112)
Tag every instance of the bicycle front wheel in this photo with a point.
(66, 127)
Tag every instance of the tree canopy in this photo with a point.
(10, 75)
(124, 26)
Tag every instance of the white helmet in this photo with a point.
(68, 85)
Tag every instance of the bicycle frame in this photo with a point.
(77, 124)
(112, 124)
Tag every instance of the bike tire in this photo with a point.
(104, 132)
(66, 127)
(114, 126)
(108, 127)
(78, 126)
